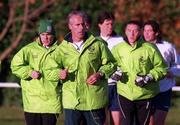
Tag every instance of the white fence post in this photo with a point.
(9, 85)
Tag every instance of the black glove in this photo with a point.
(143, 80)
(117, 75)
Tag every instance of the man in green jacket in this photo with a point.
(142, 66)
(41, 98)
(83, 64)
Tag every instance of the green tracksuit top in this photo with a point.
(144, 58)
(39, 95)
(94, 57)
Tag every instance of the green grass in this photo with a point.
(14, 115)
(11, 116)
(173, 117)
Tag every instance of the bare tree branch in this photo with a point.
(25, 19)
(9, 22)
(15, 43)
(38, 11)
(30, 16)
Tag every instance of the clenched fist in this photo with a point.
(35, 74)
(63, 74)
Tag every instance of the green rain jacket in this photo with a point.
(94, 57)
(39, 95)
(144, 58)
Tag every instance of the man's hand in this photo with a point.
(143, 80)
(63, 74)
(94, 78)
(35, 74)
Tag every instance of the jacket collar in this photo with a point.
(68, 37)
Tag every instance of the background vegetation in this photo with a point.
(20, 18)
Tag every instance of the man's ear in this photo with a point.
(99, 25)
(69, 26)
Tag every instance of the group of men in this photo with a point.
(86, 74)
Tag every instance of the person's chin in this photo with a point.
(46, 44)
(81, 35)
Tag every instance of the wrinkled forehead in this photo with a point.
(107, 21)
(76, 18)
(148, 27)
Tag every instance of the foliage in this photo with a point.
(166, 12)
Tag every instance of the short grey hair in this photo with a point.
(75, 12)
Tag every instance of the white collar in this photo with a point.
(105, 38)
(78, 45)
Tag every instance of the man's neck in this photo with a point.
(104, 35)
(153, 41)
(132, 43)
(75, 39)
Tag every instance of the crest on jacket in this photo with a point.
(91, 49)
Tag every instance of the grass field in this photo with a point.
(14, 115)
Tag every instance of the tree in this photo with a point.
(17, 22)
(166, 12)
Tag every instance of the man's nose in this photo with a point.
(46, 36)
(81, 26)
